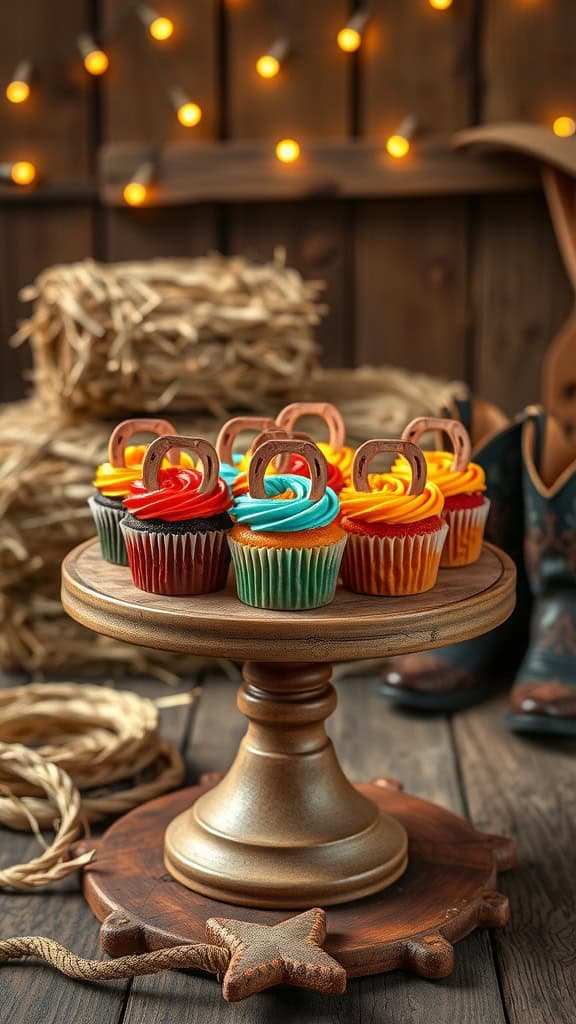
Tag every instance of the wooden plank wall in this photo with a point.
(466, 286)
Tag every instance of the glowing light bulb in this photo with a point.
(137, 190)
(17, 92)
(564, 126)
(287, 150)
(397, 146)
(23, 172)
(18, 88)
(161, 28)
(440, 5)
(134, 193)
(94, 58)
(349, 39)
(267, 66)
(96, 62)
(189, 114)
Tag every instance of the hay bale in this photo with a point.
(194, 335)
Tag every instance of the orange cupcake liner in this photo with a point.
(392, 566)
(465, 535)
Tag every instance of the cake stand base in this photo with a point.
(446, 892)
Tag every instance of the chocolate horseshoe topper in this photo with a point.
(329, 413)
(232, 428)
(127, 429)
(411, 452)
(282, 462)
(278, 446)
(198, 445)
(456, 431)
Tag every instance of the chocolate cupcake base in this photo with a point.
(180, 559)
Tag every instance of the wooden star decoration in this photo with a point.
(288, 953)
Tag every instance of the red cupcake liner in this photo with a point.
(177, 564)
(393, 566)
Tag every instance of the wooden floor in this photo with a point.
(523, 974)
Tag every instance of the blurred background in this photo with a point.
(434, 260)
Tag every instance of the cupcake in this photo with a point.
(393, 524)
(462, 483)
(286, 543)
(177, 522)
(113, 479)
(335, 451)
(232, 463)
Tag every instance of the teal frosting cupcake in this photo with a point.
(286, 544)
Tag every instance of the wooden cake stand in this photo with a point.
(284, 828)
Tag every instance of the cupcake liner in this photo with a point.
(108, 521)
(286, 579)
(392, 566)
(465, 534)
(177, 564)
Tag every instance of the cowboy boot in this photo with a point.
(543, 698)
(460, 675)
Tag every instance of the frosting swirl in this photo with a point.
(286, 513)
(229, 471)
(451, 482)
(240, 483)
(299, 466)
(177, 497)
(388, 501)
(115, 481)
(342, 458)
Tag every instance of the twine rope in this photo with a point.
(99, 737)
(16, 761)
(200, 956)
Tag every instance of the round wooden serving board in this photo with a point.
(446, 892)
(465, 602)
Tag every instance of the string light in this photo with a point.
(95, 59)
(137, 190)
(440, 5)
(564, 126)
(188, 113)
(21, 172)
(349, 38)
(159, 26)
(18, 88)
(398, 144)
(269, 64)
(287, 151)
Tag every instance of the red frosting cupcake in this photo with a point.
(177, 523)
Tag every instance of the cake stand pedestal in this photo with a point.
(283, 828)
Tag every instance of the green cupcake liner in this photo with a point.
(286, 579)
(109, 534)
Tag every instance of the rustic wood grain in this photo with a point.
(401, 38)
(53, 127)
(527, 60)
(150, 233)
(241, 170)
(465, 603)
(137, 103)
(292, 104)
(520, 296)
(411, 268)
(527, 788)
(30, 239)
(318, 242)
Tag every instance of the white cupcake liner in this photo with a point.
(393, 566)
(108, 521)
(177, 564)
(465, 534)
(286, 579)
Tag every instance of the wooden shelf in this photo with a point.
(249, 171)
